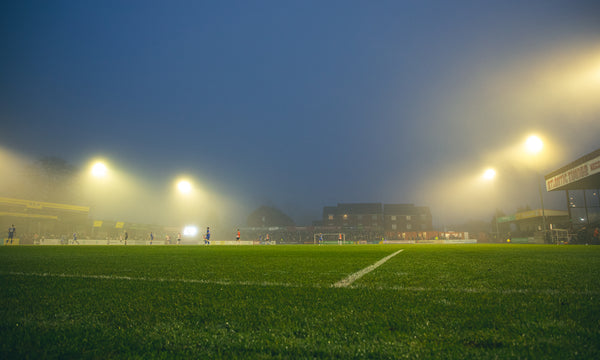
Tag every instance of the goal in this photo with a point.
(559, 236)
(329, 238)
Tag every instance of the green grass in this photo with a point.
(451, 302)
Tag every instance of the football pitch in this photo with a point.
(300, 301)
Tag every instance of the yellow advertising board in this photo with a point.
(15, 241)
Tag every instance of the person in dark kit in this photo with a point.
(11, 234)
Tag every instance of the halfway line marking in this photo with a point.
(357, 275)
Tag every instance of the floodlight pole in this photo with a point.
(585, 206)
(534, 145)
(497, 228)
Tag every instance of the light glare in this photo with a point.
(190, 231)
(184, 186)
(596, 75)
(99, 169)
(489, 174)
(534, 144)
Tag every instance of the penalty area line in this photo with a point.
(357, 275)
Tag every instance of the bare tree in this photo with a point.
(268, 216)
(53, 179)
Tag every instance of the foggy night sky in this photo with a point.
(304, 104)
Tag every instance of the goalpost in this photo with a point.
(329, 238)
(559, 236)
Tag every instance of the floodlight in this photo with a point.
(534, 144)
(596, 74)
(489, 174)
(99, 169)
(184, 186)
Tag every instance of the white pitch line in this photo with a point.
(291, 285)
(130, 278)
(357, 275)
(482, 290)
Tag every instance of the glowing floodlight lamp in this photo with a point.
(184, 186)
(190, 230)
(99, 169)
(489, 174)
(596, 74)
(534, 144)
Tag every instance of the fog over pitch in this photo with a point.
(300, 105)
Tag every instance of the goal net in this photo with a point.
(559, 236)
(330, 238)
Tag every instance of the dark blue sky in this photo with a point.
(302, 104)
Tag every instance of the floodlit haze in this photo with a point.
(300, 104)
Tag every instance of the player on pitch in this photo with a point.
(207, 237)
(11, 234)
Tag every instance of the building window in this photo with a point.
(393, 217)
(408, 217)
(394, 227)
(374, 217)
(408, 226)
